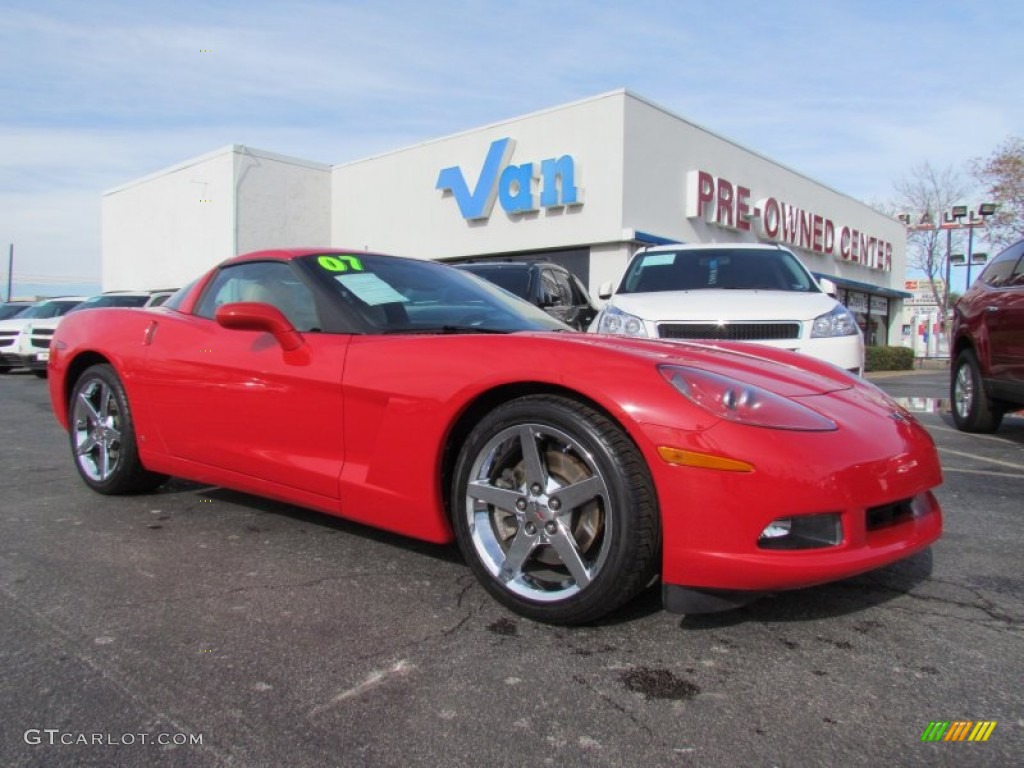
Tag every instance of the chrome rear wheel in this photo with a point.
(96, 430)
(102, 435)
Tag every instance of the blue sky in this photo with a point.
(93, 94)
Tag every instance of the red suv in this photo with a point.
(987, 377)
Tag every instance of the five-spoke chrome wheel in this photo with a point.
(96, 430)
(538, 512)
(102, 435)
(554, 510)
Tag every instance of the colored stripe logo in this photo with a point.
(958, 730)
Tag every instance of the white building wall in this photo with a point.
(169, 227)
(662, 149)
(282, 202)
(165, 229)
(635, 168)
(391, 203)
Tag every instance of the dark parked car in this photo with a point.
(551, 287)
(987, 378)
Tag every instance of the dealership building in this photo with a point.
(585, 185)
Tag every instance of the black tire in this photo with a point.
(102, 435)
(40, 372)
(555, 511)
(972, 409)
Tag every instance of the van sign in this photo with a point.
(514, 186)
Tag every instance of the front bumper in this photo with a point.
(37, 361)
(712, 521)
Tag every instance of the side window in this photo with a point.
(554, 289)
(565, 288)
(1017, 279)
(999, 272)
(269, 282)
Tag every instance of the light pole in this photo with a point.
(984, 211)
(953, 219)
(950, 221)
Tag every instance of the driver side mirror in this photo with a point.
(256, 316)
(828, 286)
(605, 290)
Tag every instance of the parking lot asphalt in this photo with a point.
(280, 637)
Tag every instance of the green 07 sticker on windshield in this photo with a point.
(340, 263)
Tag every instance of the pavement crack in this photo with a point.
(980, 603)
(468, 587)
(607, 699)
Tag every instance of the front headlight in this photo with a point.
(839, 322)
(614, 321)
(743, 403)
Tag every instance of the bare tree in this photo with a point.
(925, 194)
(1003, 175)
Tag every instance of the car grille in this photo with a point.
(7, 338)
(41, 338)
(730, 331)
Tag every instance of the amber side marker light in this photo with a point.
(703, 460)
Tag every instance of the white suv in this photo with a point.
(33, 346)
(12, 331)
(731, 292)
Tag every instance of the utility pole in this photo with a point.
(10, 270)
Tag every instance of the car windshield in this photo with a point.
(98, 302)
(48, 309)
(513, 279)
(7, 311)
(716, 268)
(396, 295)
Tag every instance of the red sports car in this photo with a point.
(570, 468)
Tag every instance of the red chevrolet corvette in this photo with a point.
(571, 468)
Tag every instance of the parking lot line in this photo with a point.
(983, 459)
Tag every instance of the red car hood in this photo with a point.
(785, 373)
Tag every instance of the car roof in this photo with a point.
(287, 254)
(714, 246)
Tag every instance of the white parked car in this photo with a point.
(12, 331)
(731, 292)
(33, 346)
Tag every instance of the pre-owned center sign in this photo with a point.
(723, 203)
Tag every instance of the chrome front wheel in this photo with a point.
(555, 510)
(539, 512)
